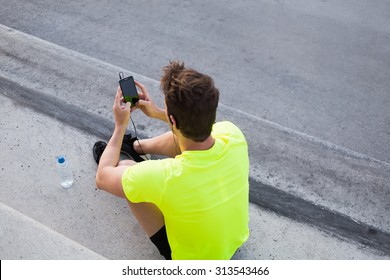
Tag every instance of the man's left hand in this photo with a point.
(121, 109)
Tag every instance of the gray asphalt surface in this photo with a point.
(318, 67)
(307, 83)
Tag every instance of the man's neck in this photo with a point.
(187, 144)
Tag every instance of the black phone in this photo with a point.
(129, 90)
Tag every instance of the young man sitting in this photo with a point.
(194, 203)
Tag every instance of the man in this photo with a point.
(194, 203)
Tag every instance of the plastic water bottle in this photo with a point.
(64, 172)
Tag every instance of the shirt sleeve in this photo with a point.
(144, 182)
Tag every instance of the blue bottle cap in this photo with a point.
(61, 159)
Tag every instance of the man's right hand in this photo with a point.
(147, 105)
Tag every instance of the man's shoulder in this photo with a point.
(226, 127)
(149, 167)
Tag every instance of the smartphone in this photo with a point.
(129, 90)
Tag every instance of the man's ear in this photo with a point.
(172, 120)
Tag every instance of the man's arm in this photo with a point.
(165, 144)
(147, 105)
(109, 174)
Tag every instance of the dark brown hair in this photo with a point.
(191, 98)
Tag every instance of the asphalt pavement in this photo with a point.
(320, 68)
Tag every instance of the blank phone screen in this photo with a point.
(129, 90)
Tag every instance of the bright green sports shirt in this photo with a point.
(203, 195)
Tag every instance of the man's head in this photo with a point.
(191, 98)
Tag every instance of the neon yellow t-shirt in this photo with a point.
(203, 195)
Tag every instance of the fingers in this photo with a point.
(120, 101)
(127, 106)
(121, 110)
(141, 86)
(118, 96)
(144, 92)
(141, 103)
(118, 92)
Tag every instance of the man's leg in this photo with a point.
(148, 216)
(151, 220)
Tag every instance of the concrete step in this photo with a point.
(103, 223)
(25, 238)
(59, 101)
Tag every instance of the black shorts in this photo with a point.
(160, 239)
